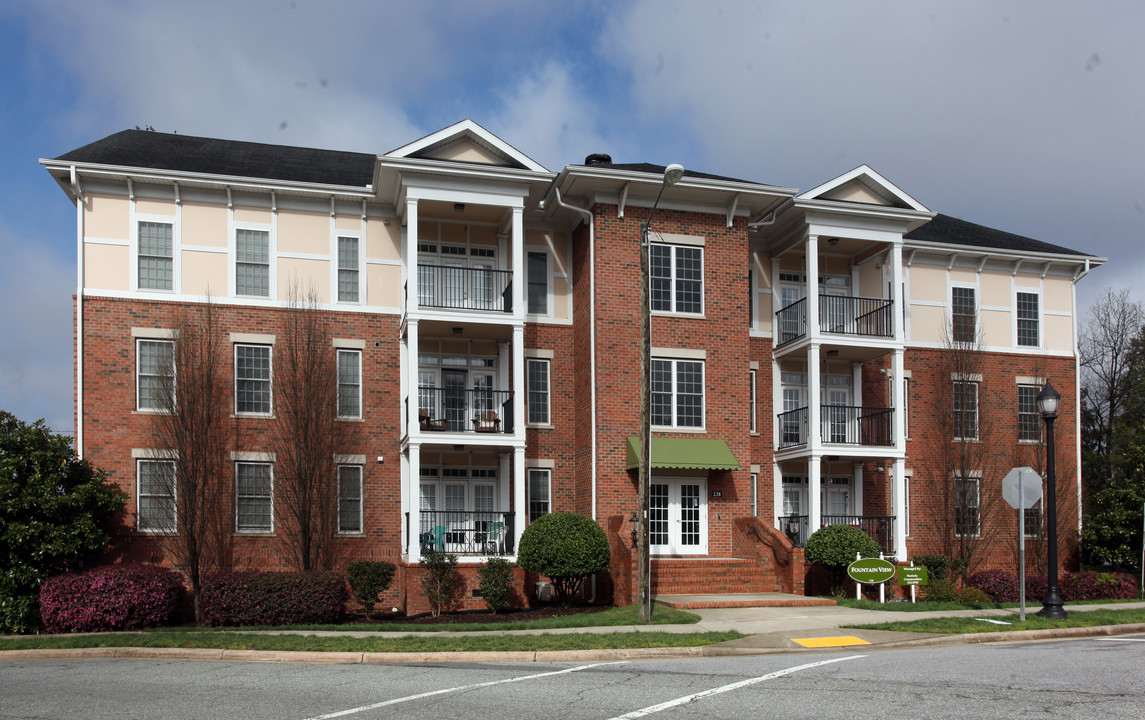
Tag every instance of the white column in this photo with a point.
(899, 311)
(898, 402)
(520, 508)
(519, 279)
(519, 383)
(857, 481)
(898, 500)
(412, 379)
(410, 528)
(411, 257)
(413, 501)
(813, 285)
(776, 492)
(814, 399)
(814, 509)
(506, 478)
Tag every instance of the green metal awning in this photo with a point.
(690, 453)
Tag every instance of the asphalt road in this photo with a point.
(1092, 678)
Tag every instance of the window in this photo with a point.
(1034, 520)
(906, 407)
(1028, 320)
(348, 269)
(677, 276)
(751, 401)
(678, 393)
(254, 494)
(965, 410)
(1029, 419)
(754, 494)
(538, 283)
(156, 256)
(252, 262)
(906, 503)
(349, 498)
(154, 373)
(349, 383)
(538, 392)
(156, 509)
(539, 497)
(966, 506)
(963, 327)
(252, 379)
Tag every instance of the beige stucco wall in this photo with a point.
(927, 323)
(1059, 333)
(303, 232)
(1057, 294)
(560, 298)
(348, 222)
(996, 328)
(303, 275)
(204, 224)
(107, 216)
(995, 290)
(107, 267)
(928, 284)
(383, 242)
(204, 273)
(855, 192)
(963, 275)
(384, 285)
(146, 206)
(465, 152)
(246, 214)
(870, 281)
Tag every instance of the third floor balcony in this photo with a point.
(454, 287)
(838, 315)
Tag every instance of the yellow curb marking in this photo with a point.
(823, 642)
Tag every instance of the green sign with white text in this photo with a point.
(912, 575)
(871, 571)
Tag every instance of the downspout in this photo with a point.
(75, 185)
(771, 217)
(590, 220)
(1082, 271)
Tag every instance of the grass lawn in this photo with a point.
(1032, 605)
(960, 625)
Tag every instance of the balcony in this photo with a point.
(452, 287)
(879, 527)
(457, 410)
(840, 425)
(839, 315)
(464, 532)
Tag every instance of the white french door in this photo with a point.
(678, 516)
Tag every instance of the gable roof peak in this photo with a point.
(467, 130)
(870, 181)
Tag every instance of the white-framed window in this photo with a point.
(155, 502)
(965, 410)
(349, 499)
(349, 383)
(154, 371)
(538, 283)
(1028, 319)
(677, 276)
(540, 492)
(252, 262)
(966, 515)
(252, 380)
(1034, 519)
(537, 374)
(348, 270)
(1029, 419)
(906, 503)
(906, 407)
(156, 256)
(963, 315)
(754, 494)
(254, 497)
(678, 393)
(752, 401)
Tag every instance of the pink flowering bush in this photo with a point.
(1000, 585)
(254, 597)
(113, 597)
(1098, 586)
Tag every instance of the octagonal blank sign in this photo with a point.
(1031, 484)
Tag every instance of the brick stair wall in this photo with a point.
(689, 576)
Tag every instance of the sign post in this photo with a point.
(912, 576)
(872, 571)
(1022, 488)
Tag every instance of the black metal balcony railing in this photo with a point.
(879, 527)
(464, 288)
(464, 532)
(839, 314)
(461, 410)
(841, 425)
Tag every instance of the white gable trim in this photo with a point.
(470, 129)
(872, 178)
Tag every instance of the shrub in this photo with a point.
(836, 545)
(1036, 588)
(941, 591)
(971, 596)
(254, 597)
(440, 582)
(1098, 586)
(564, 547)
(937, 566)
(115, 597)
(1000, 585)
(495, 581)
(368, 579)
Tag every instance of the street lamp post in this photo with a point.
(672, 175)
(1052, 608)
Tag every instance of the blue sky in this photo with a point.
(1025, 116)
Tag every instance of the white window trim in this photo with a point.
(335, 259)
(977, 407)
(155, 456)
(269, 464)
(675, 360)
(138, 396)
(1040, 319)
(977, 478)
(235, 370)
(1037, 387)
(338, 354)
(272, 257)
(550, 284)
(977, 308)
(176, 249)
(680, 241)
(752, 374)
(548, 392)
(548, 473)
(361, 498)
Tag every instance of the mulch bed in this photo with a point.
(473, 616)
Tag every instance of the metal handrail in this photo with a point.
(464, 288)
(466, 532)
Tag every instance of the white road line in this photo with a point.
(725, 688)
(408, 698)
(1124, 639)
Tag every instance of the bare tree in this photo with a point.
(193, 433)
(307, 434)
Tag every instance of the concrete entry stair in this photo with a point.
(733, 600)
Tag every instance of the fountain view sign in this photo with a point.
(871, 571)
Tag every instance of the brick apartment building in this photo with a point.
(831, 356)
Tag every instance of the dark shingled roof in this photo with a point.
(952, 231)
(186, 153)
(659, 170)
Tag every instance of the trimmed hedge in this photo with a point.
(836, 545)
(114, 597)
(368, 579)
(254, 597)
(565, 548)
(1002, 586)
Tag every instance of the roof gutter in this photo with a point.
(77, 190)
(771, 217)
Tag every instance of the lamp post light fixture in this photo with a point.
(672, 175)
(1052, 608)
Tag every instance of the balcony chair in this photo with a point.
(488, 422)
(491, 539)
(433, 540)
(428, 423)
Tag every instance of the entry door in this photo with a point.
(678, 514)
(482, 395)
(833, 314)
(453, 391)
(835, 415)
(836, 501)
(792, 430)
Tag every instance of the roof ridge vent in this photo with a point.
(598, 159)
